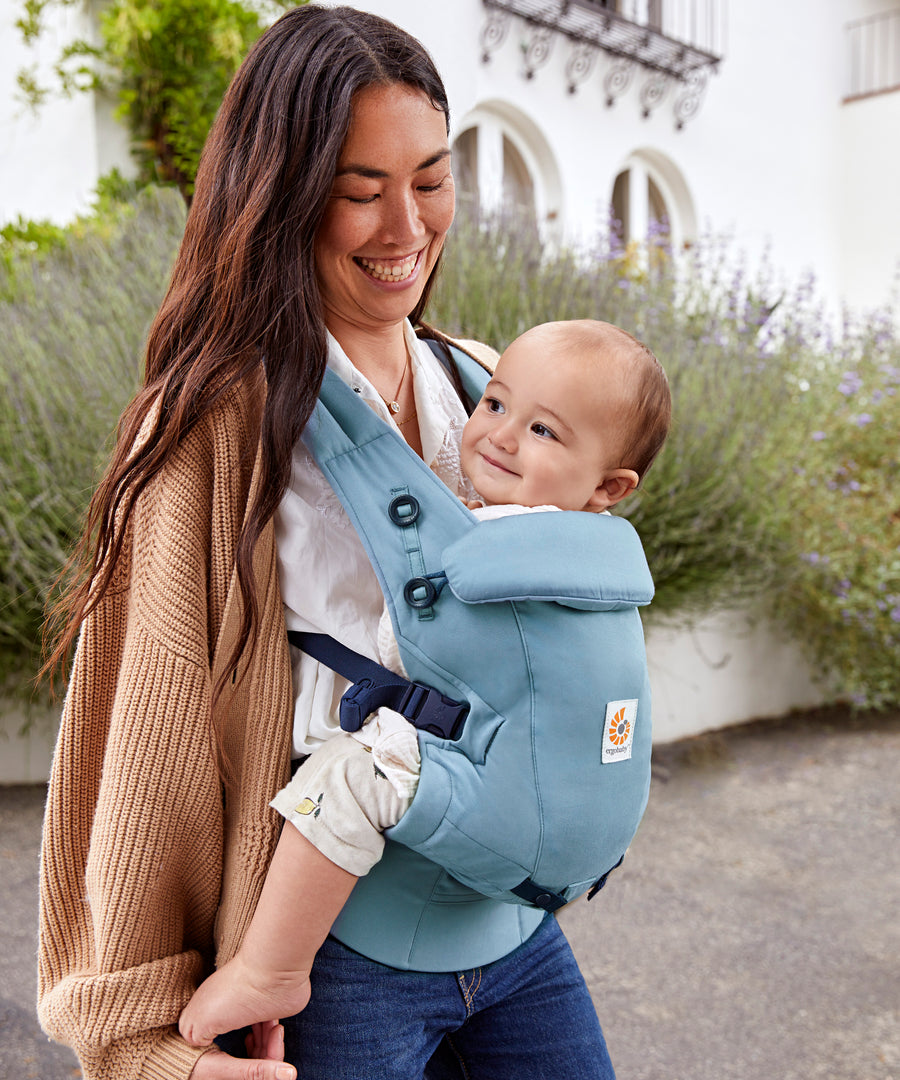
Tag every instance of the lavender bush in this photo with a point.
(777, 489)
(73, 317)
(843, 594)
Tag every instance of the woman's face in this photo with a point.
(390, 207)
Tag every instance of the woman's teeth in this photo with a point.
(389, 271)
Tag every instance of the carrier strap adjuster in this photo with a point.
(375, 686)
(601, 881)
(534, 894)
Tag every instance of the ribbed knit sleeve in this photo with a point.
(142, 839)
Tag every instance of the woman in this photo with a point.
(320, 211)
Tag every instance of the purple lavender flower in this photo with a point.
(863, 419)
(850, 383)
(814, 558)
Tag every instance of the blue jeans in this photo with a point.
(527, 1016)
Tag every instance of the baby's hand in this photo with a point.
(473, 504)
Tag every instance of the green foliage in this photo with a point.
(28, 235)
(168, 62)
(26, 243)
(777, 489)
(72, 327)
(843, 595)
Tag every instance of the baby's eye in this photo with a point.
(542, 431)
(493, 405)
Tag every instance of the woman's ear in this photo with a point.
(613, 488)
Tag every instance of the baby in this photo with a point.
(572, 419)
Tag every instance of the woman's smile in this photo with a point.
(388, 269)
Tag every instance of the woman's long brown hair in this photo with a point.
(243, 292)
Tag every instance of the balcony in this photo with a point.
(673, 43)
(873, 47)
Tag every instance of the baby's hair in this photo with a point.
(645, 424)
(647, 414)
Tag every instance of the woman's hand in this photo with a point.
(265, 1045)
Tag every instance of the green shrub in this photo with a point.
(72, 326)
(841, 592)
(25, 243)
(168, 63)
(777, 489)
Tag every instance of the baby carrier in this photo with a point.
(528, 684)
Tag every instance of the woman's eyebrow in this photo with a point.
(368, 172)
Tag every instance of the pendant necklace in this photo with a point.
(394, 405)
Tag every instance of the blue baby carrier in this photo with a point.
(527, 681)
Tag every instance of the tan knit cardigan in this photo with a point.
(151, 864)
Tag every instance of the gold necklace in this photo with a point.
(394, 405)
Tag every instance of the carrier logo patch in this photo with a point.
(618, 730)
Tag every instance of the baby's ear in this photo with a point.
(613, 488)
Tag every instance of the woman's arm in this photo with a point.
(123, 918)
(139, 844)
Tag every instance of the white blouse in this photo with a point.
(327, 582)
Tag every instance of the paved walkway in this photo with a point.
(753, 934)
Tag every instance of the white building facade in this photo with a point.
(774, 123)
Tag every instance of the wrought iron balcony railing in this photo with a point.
(675, 42)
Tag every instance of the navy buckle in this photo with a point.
(430, 710)
(356, 705)
(423, 706)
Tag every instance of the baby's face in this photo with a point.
(545, 433)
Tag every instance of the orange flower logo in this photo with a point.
(619, 729)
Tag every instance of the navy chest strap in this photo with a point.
(375, 686)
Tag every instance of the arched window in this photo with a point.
(502, 164)
(650, 198)
(518, 183)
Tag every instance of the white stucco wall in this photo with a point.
(48, 160)
(765, 160)
(725, 669)
(869, 208)
(773, 158)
